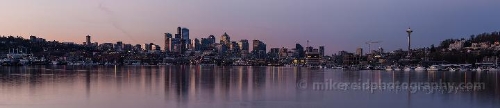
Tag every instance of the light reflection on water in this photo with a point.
(219, 87)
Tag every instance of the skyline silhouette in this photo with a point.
(337, 25)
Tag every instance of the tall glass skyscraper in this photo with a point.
(168, 43)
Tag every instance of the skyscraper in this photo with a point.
(196, 45)
(149, 46)
(225, 39)
(88, 40)
(119, 46)
(321, 51)
(185, 38)
(259, 49)
(299, 51)
(255, 45)
(244, 45)
(211, 39)
(245, 48)
(168, 38)
(235, 48)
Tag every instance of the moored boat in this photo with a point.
(420, 68)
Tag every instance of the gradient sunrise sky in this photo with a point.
(336, 24)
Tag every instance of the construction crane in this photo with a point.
(370, 44)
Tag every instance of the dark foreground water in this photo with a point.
(244, 87)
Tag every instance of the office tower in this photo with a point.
(235, 48)
(255, 45)
(274, 52)
(196, 44)
(138, 47)
(225, 39)
(106, 46)
(359, 51)
(259, 45)
(205, 44)
(168, 44)
(179, 31)
(299, 51)
(211, 39)
(32, 38)
(148, 46)
(259, 49)
(283, 52)
(175, 45)
(157, 48)
(185, 38)
(88, 43)
(244, 45)
(119, 46)
(127, 47)
(244, 48)
(321, 51)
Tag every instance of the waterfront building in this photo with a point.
(284, 53)
(359, 52)
(313, 58)
(299, 51)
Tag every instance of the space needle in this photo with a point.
(409, 31)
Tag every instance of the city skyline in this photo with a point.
(337, 25)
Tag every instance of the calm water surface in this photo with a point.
(231, 87)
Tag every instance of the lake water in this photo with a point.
(241, 87)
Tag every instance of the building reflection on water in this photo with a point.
(215, 86)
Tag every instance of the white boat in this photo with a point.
(388, 68)
(464, 69)
(397, 69)
(453, 69)
(420, 68)
(408, 69)
(434, 68)
(493, 69)
(479, 69)
(54, 62)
